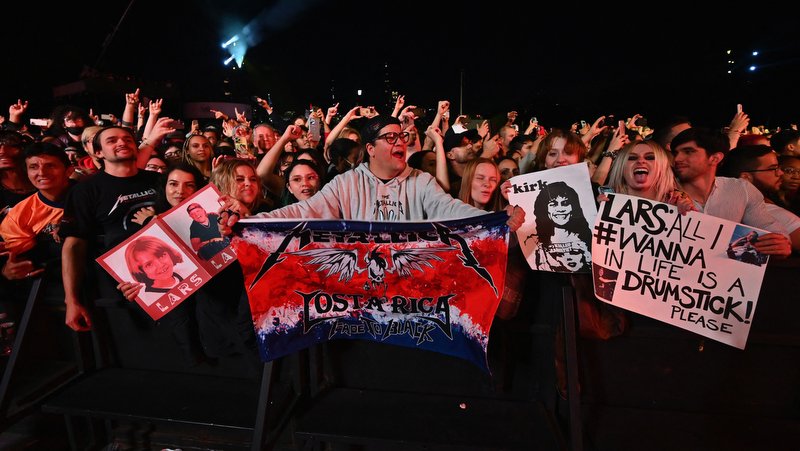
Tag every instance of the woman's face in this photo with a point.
(199, 148)
(286, 160)
(180, 185)
(508, 169)
(155, 267)
(572, 258)
(247, 185)
(484, 183)
(559, 210)
(639, 169)
(303, 182)
(556, 156)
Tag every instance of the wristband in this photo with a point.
(610, 153)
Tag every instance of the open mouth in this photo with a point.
(640, 175)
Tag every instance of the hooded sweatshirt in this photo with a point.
(359, 195)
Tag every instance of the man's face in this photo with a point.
(48, 173)
(793, 148)
(264, 138)
(387, 160)
(212, 137)
(462, 154)
(9, 153)
(767, 181)
(791, 175)
(692, 162)
(117, 145)
(506, 135)
(198, 214)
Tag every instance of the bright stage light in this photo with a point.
(228, 61)
(230, 41)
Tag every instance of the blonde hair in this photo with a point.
(662, 173)
(187, 158)
(224, 178)
(148, 244)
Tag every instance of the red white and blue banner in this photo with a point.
(426, 285)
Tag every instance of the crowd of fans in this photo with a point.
(73, 189)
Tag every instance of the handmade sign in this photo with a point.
(694, 271)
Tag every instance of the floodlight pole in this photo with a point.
(110, 37)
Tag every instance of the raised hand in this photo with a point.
(155, 107)
(240, 117)
(219, 115)
(95, 118)
(132, 98)
(332, 111)
(398, 105)
(17, 109)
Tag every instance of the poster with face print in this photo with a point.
(559, 207)
(168, 260)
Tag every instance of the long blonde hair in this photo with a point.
(224, 178)
(665, 181)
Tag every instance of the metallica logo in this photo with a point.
(420, 316)
(345, 262)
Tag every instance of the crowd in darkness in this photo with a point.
(77, 185)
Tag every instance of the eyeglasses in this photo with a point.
(791, 172)
(155, 167)
(776, 169)
(392, 137)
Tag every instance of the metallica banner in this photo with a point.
(426, 285)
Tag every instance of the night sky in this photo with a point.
(561, 63)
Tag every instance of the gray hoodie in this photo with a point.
(359, 195)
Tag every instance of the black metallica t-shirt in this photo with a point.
(105, 205)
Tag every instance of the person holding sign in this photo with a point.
(698, 153)
(643, 169)
(384, 188)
